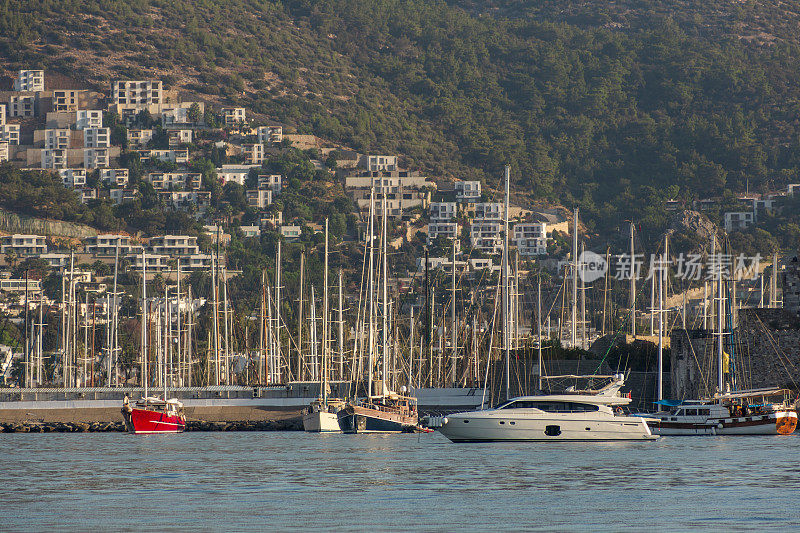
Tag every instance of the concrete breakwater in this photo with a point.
(294, 424)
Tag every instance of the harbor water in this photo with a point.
(292, 480)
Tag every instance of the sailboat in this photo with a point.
(320, 415)
(766, 411)
(382, 411)
(152, 414)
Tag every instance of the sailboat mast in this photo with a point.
(144, 321)
(574, 329)
(385, 299)
(506, 317)
(633, 286)
(720, 330)
(371, 283)
(114, 359)
(453, 332)
(277, 333)
(178, 322)
(325, 327)
(341, 328)
(539, 325)
(661, 329)
(300, 319)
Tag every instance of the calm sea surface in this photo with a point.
(237, 481)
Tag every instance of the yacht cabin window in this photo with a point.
(551, 406)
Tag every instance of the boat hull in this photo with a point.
(775, 423)
(146, 421)
(321, 422)
(355, 419)
(472, 428)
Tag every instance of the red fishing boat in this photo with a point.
(154, 415)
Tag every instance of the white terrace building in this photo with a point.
(129, 93)
(530, 238)
(448, 230)
(23, 245)
(88, 118)
(73, 177)
(468, 191)
(117, 177)
(270, 134)
(486, 236)
(106, 245)
(403, 190)
(10, 133)
(174, 245)
(29, 80)
(441, 211)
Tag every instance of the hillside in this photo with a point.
(614, 107)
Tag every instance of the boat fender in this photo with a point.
(719, 425)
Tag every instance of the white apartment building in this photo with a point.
(381, 163)
(136, 92)
(2, 114)
(489, 211)
(155, 263)
(259, 198)
(23, 245)
(88, 118)
(55, 260)
(10, 133)
(21, 105)
(233, 115)
(441, 211)
(235, 173)
(174, 245)
(138, 137)
(468, 191)
(73, 177)
(65, 100)
(486, 236)
(254, 153)
(738, 220)
(273, 182)
(106, 244)
(29, 80)
(196, 261)
(88, 193)
(530, 238)
(119, 196)
(270, 134)
(180, 157)
(187, 181)
(54, 158)
(185, 200)
(97, 138)
(448, 230)
(291, 233)
(96, 158)
(117, 177)
(179, 137)
(56, 139)
(250, 231)
(403, 190)
(4, 156)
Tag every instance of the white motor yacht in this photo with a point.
(594, 415)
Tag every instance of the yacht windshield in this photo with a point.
(551, 406)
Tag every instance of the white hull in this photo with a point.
(321, 422)
(484, 426)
